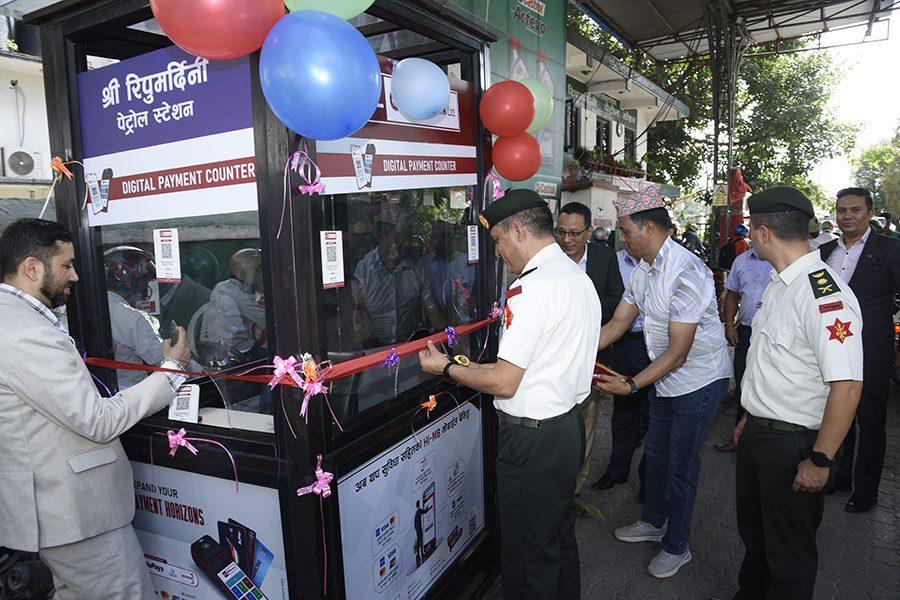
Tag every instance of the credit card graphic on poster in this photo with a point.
(215, 561)
(238, 540)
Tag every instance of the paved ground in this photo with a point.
(859, 554)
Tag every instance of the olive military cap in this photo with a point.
(513, 201)
(779, 199)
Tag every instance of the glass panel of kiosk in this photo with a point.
(408, 276)
(218, 299)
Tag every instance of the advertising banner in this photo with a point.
(408, 512)
(393, 153)
(167, 135)
(204, 540)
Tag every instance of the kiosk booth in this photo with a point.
(184, 207)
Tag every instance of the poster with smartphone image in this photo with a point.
(203, 540)
(409, 512)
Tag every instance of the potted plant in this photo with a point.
(574, 166)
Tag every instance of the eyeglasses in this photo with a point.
(563, 233)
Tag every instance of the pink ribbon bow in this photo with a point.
(322, 485)
(496, 312)
(494, 181)
(285, 367)
(311, 388)
(179, 439)
(309, 173)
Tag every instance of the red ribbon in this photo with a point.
(339, 371)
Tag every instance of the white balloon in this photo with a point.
(419, 89)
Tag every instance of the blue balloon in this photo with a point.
(419, 89)
(319, 75)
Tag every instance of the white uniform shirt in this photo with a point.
(583, 262)
(679, 287)
(552, 330)
(802, 343)
(135, 339)
(844, 261)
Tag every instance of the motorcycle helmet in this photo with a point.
(246, 266)
(129, 271)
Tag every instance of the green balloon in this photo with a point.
(345, 9)
(543, 104)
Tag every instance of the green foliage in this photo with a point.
(783, 124)
(877, 168)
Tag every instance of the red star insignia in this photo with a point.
(839, 331)
(507, 316)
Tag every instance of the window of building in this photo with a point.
(604, 133)
(572, 130)
(630, 151)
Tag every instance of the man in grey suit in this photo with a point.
(66, 486)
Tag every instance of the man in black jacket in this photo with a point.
(870, 263)
(573, 228)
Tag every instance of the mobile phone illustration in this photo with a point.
(216, 562)
(429, 531)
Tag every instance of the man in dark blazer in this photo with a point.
(573, 228)
(870, 263)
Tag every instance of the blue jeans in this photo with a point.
(678, 428)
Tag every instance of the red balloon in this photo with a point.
(517, 158)
(217, 29)
(507, 108)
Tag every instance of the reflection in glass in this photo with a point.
(409, 277)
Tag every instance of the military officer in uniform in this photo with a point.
(551, 327)
(801, 389)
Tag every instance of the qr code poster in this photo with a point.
(168, 258)
(332, 259)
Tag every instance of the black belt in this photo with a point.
(526, 422)
(776, 425)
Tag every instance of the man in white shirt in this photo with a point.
(674, 292)
(801, 389)
(543, 371)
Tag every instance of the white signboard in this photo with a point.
(410, 511)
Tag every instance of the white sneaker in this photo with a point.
(641, 531)
(665, 565)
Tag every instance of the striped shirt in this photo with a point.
(175, 379)
(679, 287)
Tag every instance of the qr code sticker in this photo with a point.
(331, 253)
(166, 251)
(183, 403)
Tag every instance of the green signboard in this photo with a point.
(600, 104)
(536, 48)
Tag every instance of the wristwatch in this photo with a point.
(447, 376)
(820, 459)
(632, 385)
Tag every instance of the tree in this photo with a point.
(783, 125)
(877, 168)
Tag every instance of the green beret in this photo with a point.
(780, 198)
(513, 201)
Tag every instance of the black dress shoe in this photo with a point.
(607, 481)
(860, 505)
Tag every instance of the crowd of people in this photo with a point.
(809, 316)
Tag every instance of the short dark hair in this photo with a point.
(577, 208)
(788, 225)
(538, 220)
(30, 237)
(857, 191)
(660, 216)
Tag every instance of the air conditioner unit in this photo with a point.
(24, 163)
